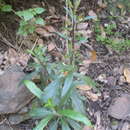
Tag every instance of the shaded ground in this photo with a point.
(107, 70)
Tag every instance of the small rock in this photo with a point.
(15, 119)
(122, 80)
(125, 126)
(8, 127)
(102, 78)
(111, 81)
(120, 107)
(5, 127)
(23, 110)
(12, 96)
(118, 70)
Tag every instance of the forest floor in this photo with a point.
(106, 60)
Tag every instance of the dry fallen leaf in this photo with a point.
(103, 33)
(87, 62)
(82, 70)
(92, 13)
(87, 128)
(12, 56)
(93, 55)
(127, 74)
(92, 96)
(120, 6)
(40, 42)
(52, 10)
(49, 28)
(85, 33)
(101, 4)
(23, 59)
(51, 47)
(43, 32)
(1, 58)
(84, 87)
(82, 26)
(56, 54)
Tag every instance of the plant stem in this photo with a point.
(73, 36)
(66, 26)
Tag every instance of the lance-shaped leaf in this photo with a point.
(67, 84)
(75, 116)
(43, 123)
(75, 125)
(77, 103)
(33, 88)
(53, 125)
(52, 91)
(64, 125)
(40, 112)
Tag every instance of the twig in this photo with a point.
(4, 40)
(34, 45)
(3, 121)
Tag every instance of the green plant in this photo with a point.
(70, 34)
(111, 38)
(61, 103)
(28, 18)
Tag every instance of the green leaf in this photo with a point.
(23, 23)
(67, 84)
(39, 10)
(50, 104)
(77, 102)
(53, 125)
(67, 96)
(65, 126)
(43, 123)
(74, 124)
(39, 112)
(77, 3)
(51, 91)
(39, 21)
(27, 15)
(82, 40)
(6, 8)
(33, 88)
(31, 28)
(75, 116)
(22, 31)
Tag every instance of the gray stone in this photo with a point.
(12, 96)
(120, 107)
